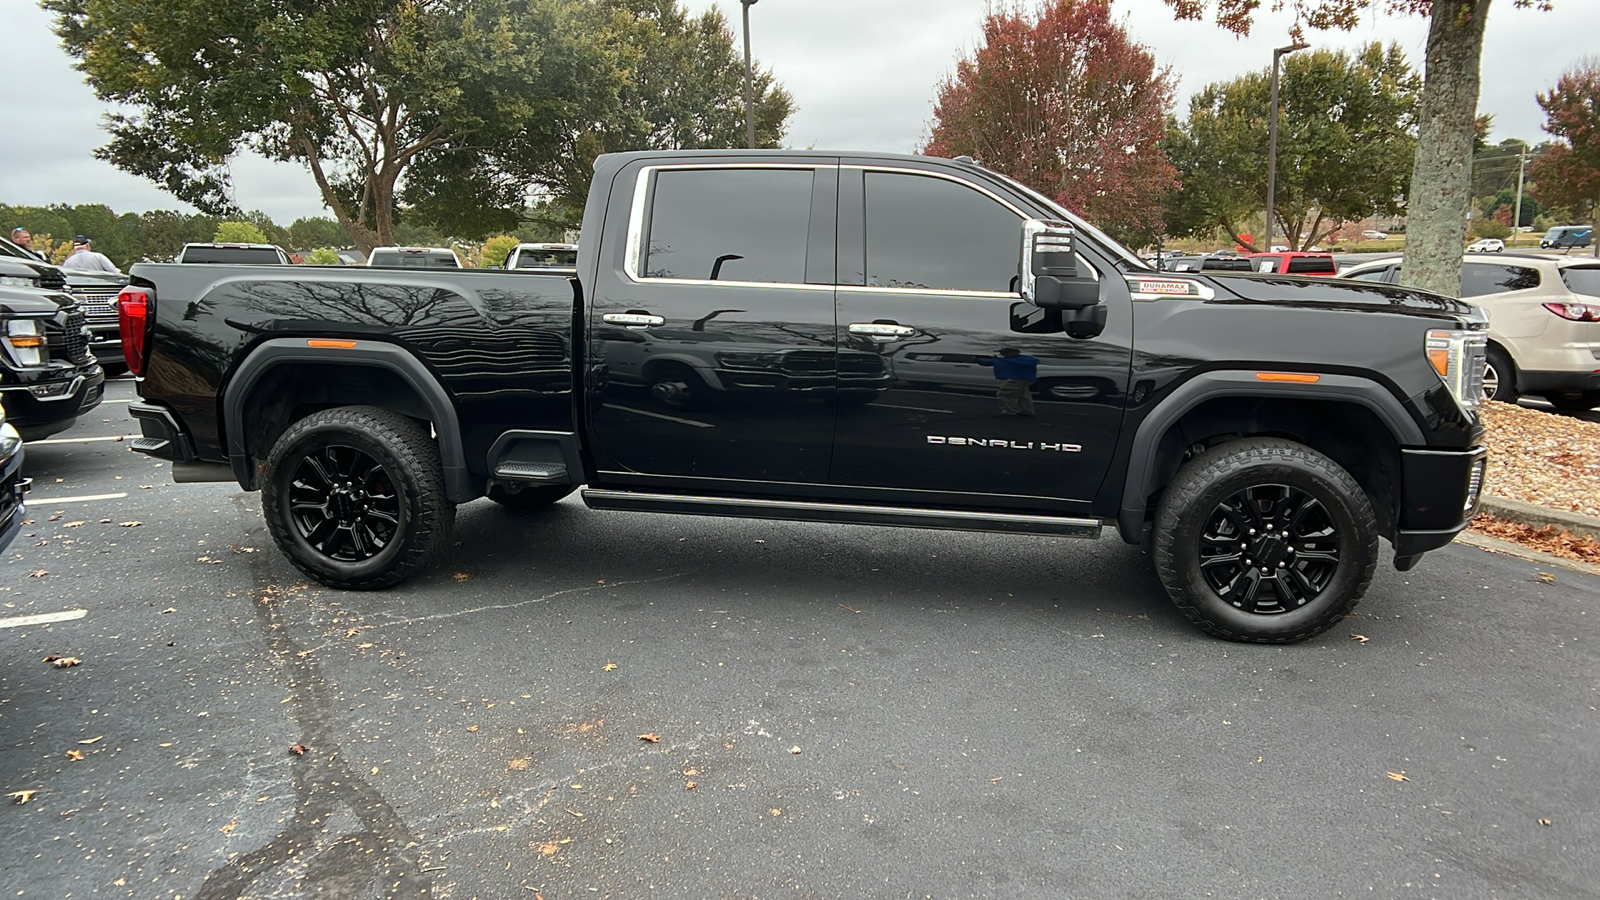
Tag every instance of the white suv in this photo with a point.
(1544, 323)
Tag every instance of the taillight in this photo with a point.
(133, 321)
(1577, 312)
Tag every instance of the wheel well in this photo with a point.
(285, 394)
(1347, 433)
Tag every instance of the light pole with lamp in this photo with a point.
(749, 93)
(1272, 136)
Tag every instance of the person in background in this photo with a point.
(1016, 372)
(84, 258)
(23, 239)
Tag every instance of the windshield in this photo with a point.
(429, 259)
(1125, 257)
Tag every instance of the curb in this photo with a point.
(1540, 516)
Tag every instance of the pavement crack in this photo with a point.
(456, 613)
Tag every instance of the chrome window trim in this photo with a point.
(634, 263)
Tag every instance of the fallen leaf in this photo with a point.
(298, 749)
(146, 487)
(851, 608)
(74, 755)
(600, 581)
(105, 521)
(652, 737)
(461, 576)
(43, 543)
(63, 662)
(997, 780)
(131, 524)
(1546, 577)
(170, 609)
(94, 740)
(27, 521)
(609, 667)
(228, 828)
(518, 764)
(472, 728)
(72, 525)
(38, 573)
(689, 785)
(241, 549)
(22, 796)
(352, 632)
(367, 646)
(794, 749)
(1545, 822)
(1359, 638)
(775, 811)
(1398, 776)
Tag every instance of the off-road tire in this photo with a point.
(530, 498)
(406, 462)
(1223, 474)
(1504, 371)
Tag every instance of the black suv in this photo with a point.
(48, 375)
(96, 293)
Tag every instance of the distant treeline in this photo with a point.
(159, 235)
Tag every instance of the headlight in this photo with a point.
(25, 339)
(10, 441)
(1459, 357)
(19, 281)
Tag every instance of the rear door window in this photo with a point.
(1478, 279)
(729, 225)
(1583, 280)
(1379, 274)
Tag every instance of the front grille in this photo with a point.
(98, 302)
(68, 341)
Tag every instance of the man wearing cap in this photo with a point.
(23, 239)
(83, 257)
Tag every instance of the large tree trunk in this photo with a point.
(1441, 177)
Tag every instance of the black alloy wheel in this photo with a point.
(344, 504)
(354, 497)
(1269, 549)
(1265, 540)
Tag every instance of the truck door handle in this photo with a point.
(882, 331)
(633, 319)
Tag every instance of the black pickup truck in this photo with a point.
(813, 336)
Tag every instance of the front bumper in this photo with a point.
(44, 408)
(1439, 496)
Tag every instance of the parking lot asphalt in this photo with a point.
(586, 704)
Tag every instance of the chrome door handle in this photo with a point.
(882, 332)
(632, 320)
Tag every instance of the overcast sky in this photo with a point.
(862, 73)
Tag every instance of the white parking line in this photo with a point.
(115, 437)
(43, 618)
(640, 412)
(51, 501)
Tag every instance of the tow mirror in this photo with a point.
(1049, 273)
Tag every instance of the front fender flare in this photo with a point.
(1211, 385)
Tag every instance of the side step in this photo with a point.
(842, 513)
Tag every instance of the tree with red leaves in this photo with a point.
(1066, 103)
(1569, 173)
(1441, 176)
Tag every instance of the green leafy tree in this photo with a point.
(1569, 174)
(1441, 173)
(680, 87)
(364, 93)
(239, 233)
(496, 249)
(318, 231)
(323, 256)
(1345, 146)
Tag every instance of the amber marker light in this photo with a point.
(331, 345)
(1295, 377)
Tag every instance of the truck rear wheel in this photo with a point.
(530, 498)
(355, 497)
(1265, 540)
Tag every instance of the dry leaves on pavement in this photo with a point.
(1542, 458)
(63, 662)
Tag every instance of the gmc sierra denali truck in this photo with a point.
(1260, 432)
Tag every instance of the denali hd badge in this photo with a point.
(1005, 444)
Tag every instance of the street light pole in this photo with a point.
(749, 92)
(1272, 137)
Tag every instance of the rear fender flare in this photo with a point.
(269, 355)
(1212, 385)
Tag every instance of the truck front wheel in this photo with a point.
(1265, 540)
(355, 497)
